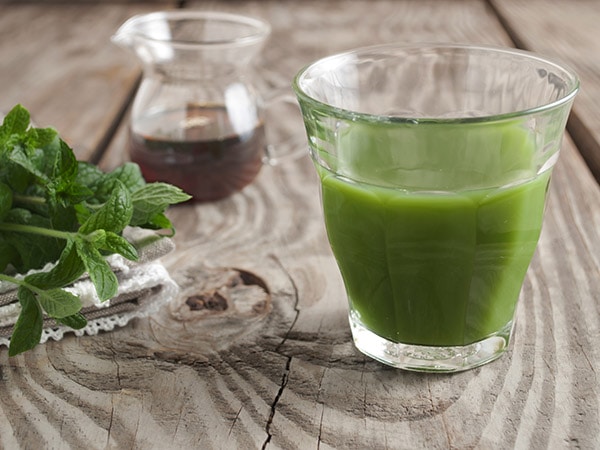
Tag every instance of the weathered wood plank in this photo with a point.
(307, 30)
(332, 396)
(568, 30)
(58, 61)
(277, 369)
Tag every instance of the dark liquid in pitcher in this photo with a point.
(199, 150)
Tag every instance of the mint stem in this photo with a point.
(14, 280)
(19, 198)
(20, 282)
(20, 228)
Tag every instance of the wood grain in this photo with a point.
(58, 62)
(276, 368)
(571, 32)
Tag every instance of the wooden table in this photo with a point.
(283, 373)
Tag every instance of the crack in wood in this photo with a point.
(296, 301)
(286, 373)
(110, 423)
(320, 426)
(284, 381)
(114, 358)
(235, 419)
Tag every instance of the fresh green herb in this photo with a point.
(55, 209)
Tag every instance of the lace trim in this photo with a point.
(148, 278)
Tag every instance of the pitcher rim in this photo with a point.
(353, 115)
(261, 31)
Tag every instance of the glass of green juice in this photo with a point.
(434, 163)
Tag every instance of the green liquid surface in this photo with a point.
(441, 268)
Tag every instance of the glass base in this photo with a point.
(421, 358)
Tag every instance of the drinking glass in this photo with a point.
(434, 163)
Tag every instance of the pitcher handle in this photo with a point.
(294, 146)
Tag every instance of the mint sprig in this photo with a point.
(55, 209)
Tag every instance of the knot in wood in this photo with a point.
(220, 293)
(212, 301)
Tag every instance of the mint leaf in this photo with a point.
(76, 193)
(68, 269)
(35, 250)
(88, 174)
(160, 221)
(17, 177)
(55, 209)
(118, 244)
(59, 303)
(8, 255)
(28, 328)
(62, 217)
(19, 156)
(82, 212)
(104, 279)
(15, 122)
(62, 167)
(76, 321)
(41, 137)
(43, 154)
(152, 199)
(114, 215)
(130, 175)
(6, 199)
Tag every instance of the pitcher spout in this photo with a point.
(193, 38)
(123, 37)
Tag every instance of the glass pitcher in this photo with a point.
(196, 121)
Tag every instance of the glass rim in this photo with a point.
(353, 115)
(260, 28)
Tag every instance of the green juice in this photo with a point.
(433, 228)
